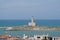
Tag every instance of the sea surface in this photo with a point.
(43, 23)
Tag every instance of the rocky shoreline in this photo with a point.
(33, 28)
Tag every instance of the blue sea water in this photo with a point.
(49, 23)
(44, 23)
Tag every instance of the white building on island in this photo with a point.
(32, 23)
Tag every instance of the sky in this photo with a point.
(25, 9)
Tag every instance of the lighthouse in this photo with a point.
(32, 23)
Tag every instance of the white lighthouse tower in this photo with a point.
(32, 23)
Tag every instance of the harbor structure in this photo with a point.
(37, 37)
(32, 23)
(27, 37)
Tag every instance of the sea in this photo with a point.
(20, 33)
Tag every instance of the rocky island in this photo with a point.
(32, 26)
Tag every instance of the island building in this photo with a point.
(32, 23)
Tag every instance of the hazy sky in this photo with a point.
(24, 9)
